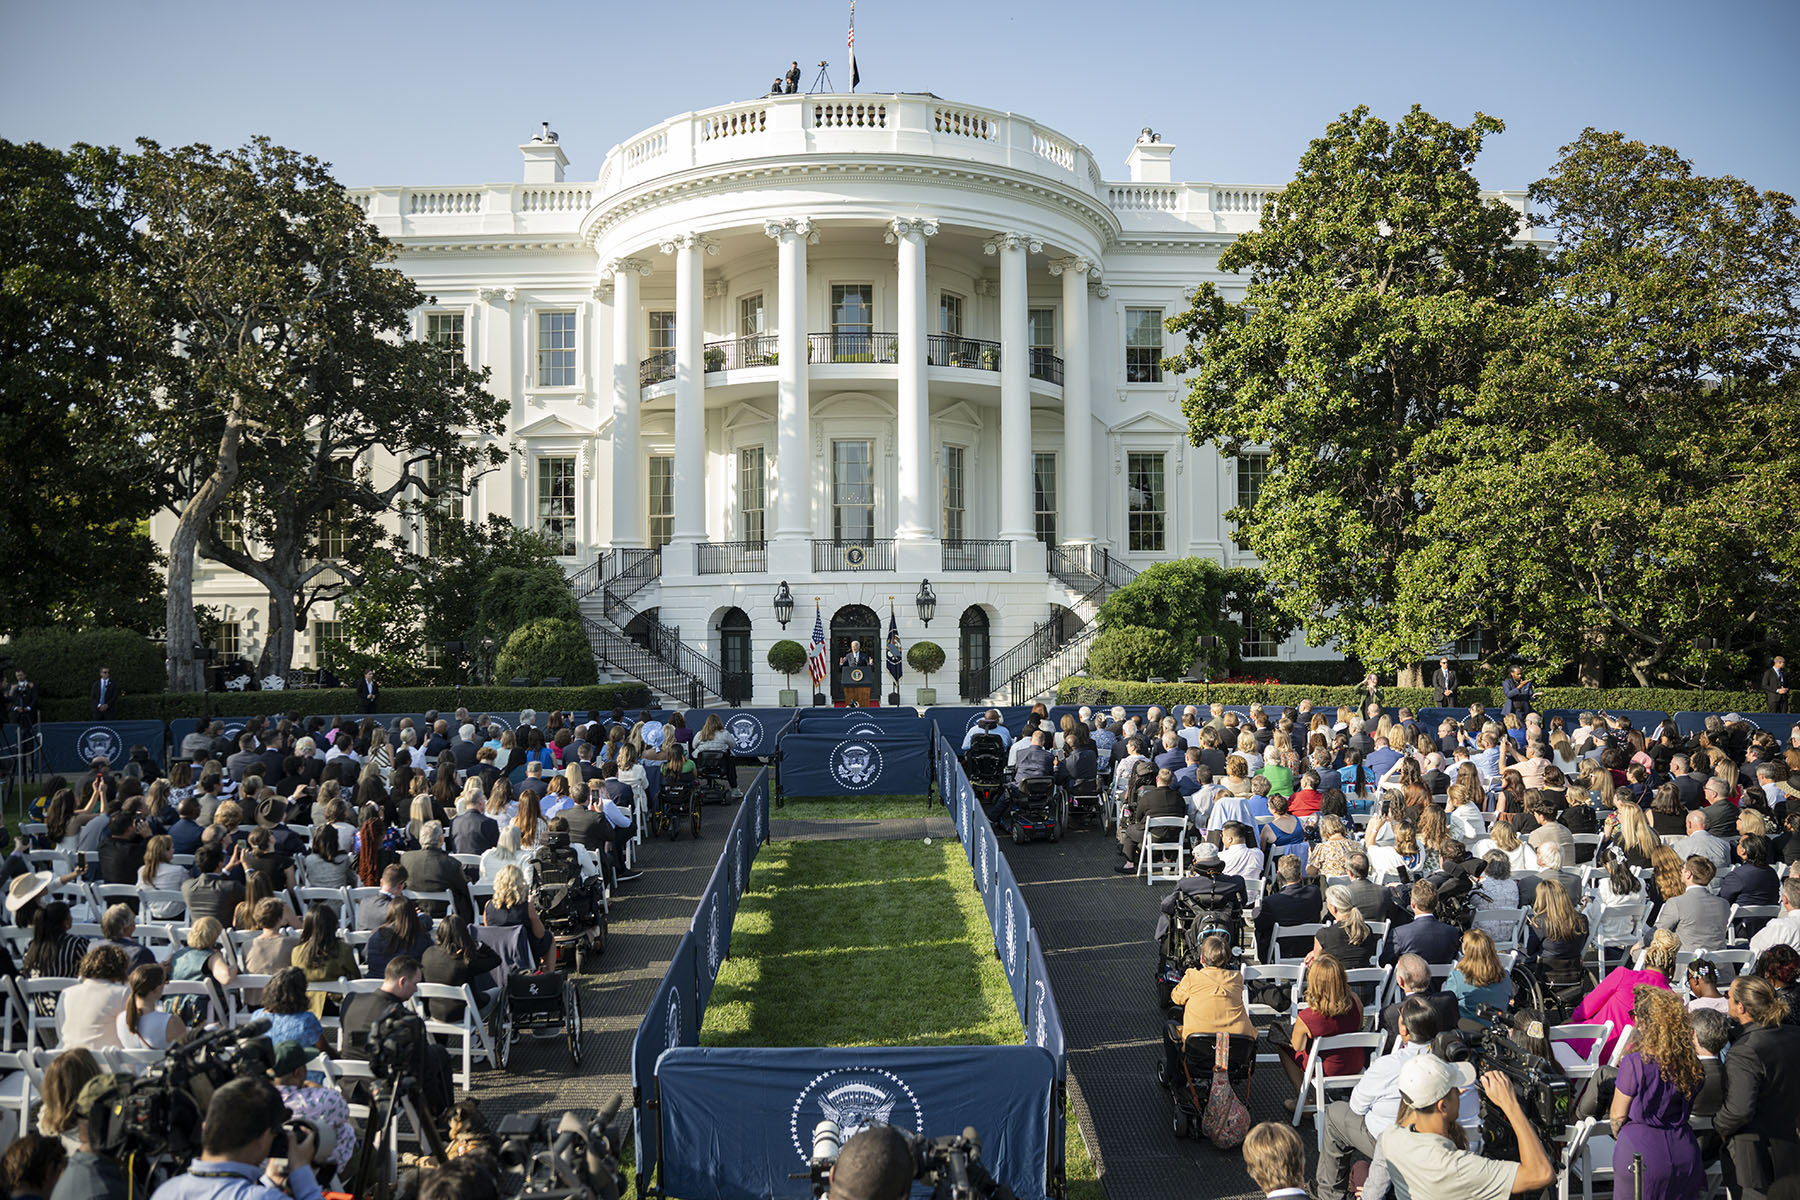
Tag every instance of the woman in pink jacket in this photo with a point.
(1612, 1000)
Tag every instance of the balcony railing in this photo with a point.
(656, 369)
(727, 558)
(876, 554)
(970, 555)
(852, 347)
(1046, 366)
(732, 354)
(946, 350)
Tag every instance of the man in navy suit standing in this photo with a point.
(1435, 941)
(105, 694)
(368, 692)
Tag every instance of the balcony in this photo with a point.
(833, 554)
(730, 558)
(967, 554)
(764, 350)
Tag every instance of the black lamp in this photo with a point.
(926, 601)
(784, 604)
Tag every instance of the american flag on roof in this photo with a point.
(855, 78)
(815, 658)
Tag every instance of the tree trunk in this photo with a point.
(185, 672)
(1410, 676)
(1591, 666)
(278, 646)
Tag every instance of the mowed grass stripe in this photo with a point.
(852, 943)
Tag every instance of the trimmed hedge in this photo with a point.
(1080, 689)
(64, 663)
(548, 648)
(325, 702)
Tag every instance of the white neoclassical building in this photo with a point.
(851, 350)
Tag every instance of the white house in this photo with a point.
(862, 346)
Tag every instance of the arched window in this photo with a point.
(852, 623)
(734, 655)
(973, 656)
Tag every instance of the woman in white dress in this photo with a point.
(143, 1025)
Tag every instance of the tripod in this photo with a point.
(405, 1090)
(822, 81)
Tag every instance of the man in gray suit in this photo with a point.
(431, 869)
(1698, 917)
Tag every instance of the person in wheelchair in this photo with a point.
(1212, 1000)
(713, 756)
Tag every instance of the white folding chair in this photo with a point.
(469, 1030)
(334, 896)
(1370, 985)
(1320, 1083)
(480, 894)
(108, 894)
(131, 1062)
(34, 829)
(342, 989)
(468, 860)
(1748, 912)
(1588, 1158)
(1292, 931)
(204, 989)
(429, 898)
(16, 1088)
(13, 1011)
(1505, 925)
(356, 896)
(161, 904)
(1574, 1065)
(1621, 1046)
(238, 1002)
(1288, 973)
(358, 941)
(1163, 860)
(40, 1027)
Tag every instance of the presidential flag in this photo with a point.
(855, 78)
(815, 658)
(893, 645)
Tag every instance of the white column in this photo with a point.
(689, 525)
(1016, 522)
(627, 458)
(793, 512)
(1076, 503)
(913, 440)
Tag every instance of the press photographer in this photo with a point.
(1425, 1151)
(882, 1163)
(247, 1125)
(575, 1162)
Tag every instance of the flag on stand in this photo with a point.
(854, 77)
(893, 644)
(815, 658)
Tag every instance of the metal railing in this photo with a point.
(969, 554)
(658, 368)
(1044, 674)
(1093, 571)
(1043, 640)
(655, 656)
(627, 571)
(852, 348)
(876, 554)
(1046, 366)
(972, 683)
(726, 558)
(945, 350)
(732, 354)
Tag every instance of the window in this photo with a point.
(1143, 345)
(1043, 487)
(852, 321)
(1252, 469)
(853, 491)
(662, 332)
(228, 525)
(1041, 323)
(556, 349)
(556, 502)
(334, 522)
(448, 508)
(1146, 502)
(327, 637)
(445, 331)
(228, 639)
(662, 499)
(1257, 643)
(955, 496)
(1469, 644)
(752, 487)
(950, 314)
(750, 316)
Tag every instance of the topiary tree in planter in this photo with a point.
(926, 658)
(545, 648)
(788, 657)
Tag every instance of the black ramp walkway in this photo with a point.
(1096, 928)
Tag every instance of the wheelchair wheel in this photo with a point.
(504, 1035)
(1018, 833)
(1179, 1123)
(572, 1016)
(696, 820)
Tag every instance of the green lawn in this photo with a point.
(878, 943)
(855, 808)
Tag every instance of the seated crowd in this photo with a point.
(242, 861)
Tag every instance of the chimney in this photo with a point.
(1149, 158)
(544, 157)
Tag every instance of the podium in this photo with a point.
(857, 680)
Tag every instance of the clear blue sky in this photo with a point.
(444, 93)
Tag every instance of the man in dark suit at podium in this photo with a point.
(858, 675)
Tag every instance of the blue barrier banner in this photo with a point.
(711, 926)
(673, 1019)
(739, 1120)
(1012, 935)
(70, 745)
(955, 722)
(873, 716)
(754, 730)
(984, 853)
(1043, 1021)
(1776, 723)
(823, 764)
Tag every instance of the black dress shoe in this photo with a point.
(1126, 868)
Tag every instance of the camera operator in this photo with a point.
(1425, 1149)
(239, 1136)
(90, 1175)
(875, 1164)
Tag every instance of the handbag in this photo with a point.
(1226, 1120)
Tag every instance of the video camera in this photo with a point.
(396, 1046)
(159, 1114)
(950, 1165)
(579, 1162)
(1539, 1083)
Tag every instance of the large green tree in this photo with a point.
(1376, 287)
(1627, 478)
(77, 486)
(295, 389)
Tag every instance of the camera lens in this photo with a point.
(828, 1139)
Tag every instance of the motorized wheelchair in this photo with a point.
(1190, 1087)
(984, 762)
(1083, 802)
(1197, 916)
(1033, 809)
(712, 776)
(677, 805)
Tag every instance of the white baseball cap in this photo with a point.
(1427, 1079)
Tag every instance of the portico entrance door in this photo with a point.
(855, 623)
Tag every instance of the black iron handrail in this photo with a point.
(656, 657)
(731, 354)
(1046, 366)
(1043, 640)
(1093, 571)
(875, 554)
(852, 348)
(1048, 671)
(726, 558)
(968, 554)
(658, 368)
(948, 350)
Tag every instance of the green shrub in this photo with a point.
(548, 647)
(927, 658)
(1138, 652)
(787, 657)
(512, 597)
(327, 702)
(1109, 689)
(66, 664)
